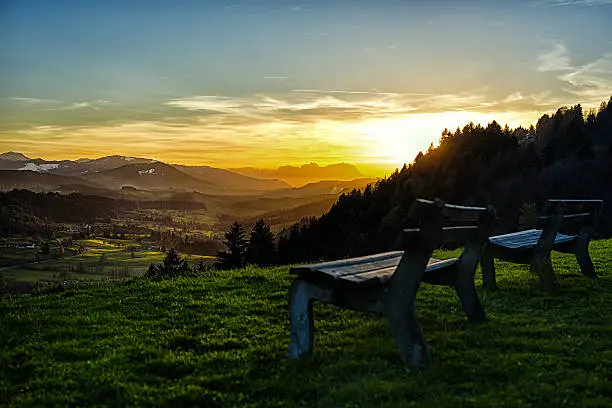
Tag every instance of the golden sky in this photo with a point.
(263, 83)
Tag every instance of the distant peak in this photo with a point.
(14, 156)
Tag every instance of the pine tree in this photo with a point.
(261, 249)
(236, 244)
(172, 266)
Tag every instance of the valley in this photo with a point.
(133, 209)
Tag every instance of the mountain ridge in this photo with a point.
(115, 172)
(304, 174)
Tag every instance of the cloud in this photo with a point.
(590, 82)
(320, 91)
(555, 60)
(572, 3)
(517, 96)
(54, 104)
(95, 105)
(218, 104)
(314, 105)
(31, 101)
(276, 78)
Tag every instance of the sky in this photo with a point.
(269, 83)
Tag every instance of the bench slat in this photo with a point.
(357, 271)
(391, 257)
(458, 214)
(525, 239)
(381, 275)
(574, 201)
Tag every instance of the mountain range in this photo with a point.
(130, 176)
(307, 173)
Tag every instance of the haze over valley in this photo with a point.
(219, 195)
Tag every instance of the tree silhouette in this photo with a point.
(261, 250)
(172, 266)
(236, 245)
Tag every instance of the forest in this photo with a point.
(23, 212)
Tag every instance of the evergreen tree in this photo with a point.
(261, 250)
(172, 266)
(236, 245)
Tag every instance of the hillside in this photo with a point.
(307, 173)
(14, 156)
(149, 176)
(227, 180)
(38, 182)
(283, 217)
(336, 187)
(221, 341)
(26, 212)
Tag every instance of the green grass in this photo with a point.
(221, 340)
(115, 254)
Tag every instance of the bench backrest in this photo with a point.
(568, 216)
(436, 222)
(571, 216)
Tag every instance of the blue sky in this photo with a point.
(275, 82)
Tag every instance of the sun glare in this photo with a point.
(398, 140)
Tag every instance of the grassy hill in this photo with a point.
(221, 340)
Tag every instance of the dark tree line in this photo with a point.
(564, 155)
(23, 212)
(259, 249)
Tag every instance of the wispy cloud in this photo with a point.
(313, 105)
(219, 104)
(570, 3)
(54, 104)
(557, 59)
(95, 105)
(32, 101)
(276, 77)
(591, 82)
(321, 91)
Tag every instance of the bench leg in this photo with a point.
(581, 251)
(399, 307)
(548, 278)
(301, 295)
(409, 338)
(487, 264)
(466, 290)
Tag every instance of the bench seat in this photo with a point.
(526, 239)
(577, 218)
(369, 270)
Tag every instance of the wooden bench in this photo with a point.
(566, 226)
(388, 282)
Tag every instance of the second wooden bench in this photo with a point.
(565, 226)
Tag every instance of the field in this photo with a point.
(220, 340)
(103, 259)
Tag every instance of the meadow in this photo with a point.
(220, 340)
(102, 259)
